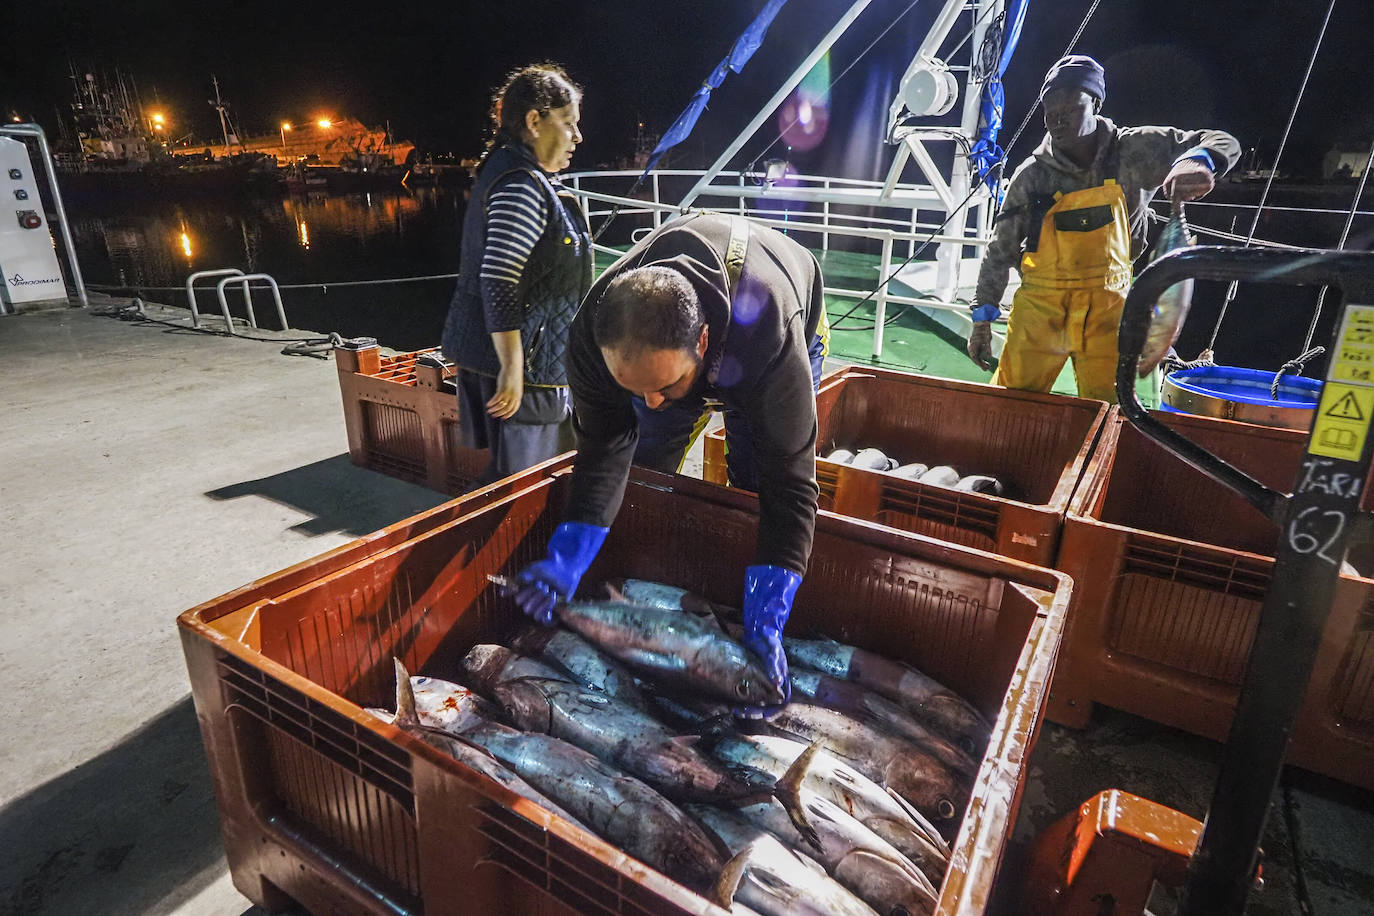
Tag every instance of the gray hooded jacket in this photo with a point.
(1138, 158)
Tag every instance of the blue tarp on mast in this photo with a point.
(986, 154)
(739, 55)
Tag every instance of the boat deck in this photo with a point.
(149, 468)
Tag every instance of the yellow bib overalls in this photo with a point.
(1072, 289)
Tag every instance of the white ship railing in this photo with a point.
(749, 195)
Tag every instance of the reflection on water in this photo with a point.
(153, 244)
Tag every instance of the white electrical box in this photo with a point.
(28, 258)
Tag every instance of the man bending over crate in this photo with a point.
(707, 313)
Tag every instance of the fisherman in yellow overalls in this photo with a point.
(1072, 223)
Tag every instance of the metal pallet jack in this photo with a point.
(1104, 858)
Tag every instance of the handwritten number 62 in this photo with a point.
(1303, 542)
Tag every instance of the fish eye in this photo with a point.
(742, 688)
(945, 808)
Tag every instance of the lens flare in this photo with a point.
(805, 116)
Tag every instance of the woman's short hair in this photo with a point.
(538, 87)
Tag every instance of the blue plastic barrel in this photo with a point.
(1234, 393)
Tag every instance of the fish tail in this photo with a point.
(722, 893)
(405, 697)
(787, 790)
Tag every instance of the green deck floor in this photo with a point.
(912, 342)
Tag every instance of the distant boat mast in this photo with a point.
(224, 124)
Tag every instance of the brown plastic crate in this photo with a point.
(1171, 569)
(401, 413)
(713, 468)
(1036, 444)
(325, 805)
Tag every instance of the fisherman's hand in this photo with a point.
(1189, 179)
(980, 345)
(768, 594)
(510, 388)
(554, 579)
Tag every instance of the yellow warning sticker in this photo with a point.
(1354, 360)
(1342, 423)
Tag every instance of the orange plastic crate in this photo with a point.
(401, 413)
(1036, 444)
(326, 806)
(1171, 569)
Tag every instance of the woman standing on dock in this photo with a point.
(526, 264)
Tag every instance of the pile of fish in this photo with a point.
(941, 475)
(619, 720)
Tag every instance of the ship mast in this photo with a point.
(218, 104)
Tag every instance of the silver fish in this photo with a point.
(927, 699)
(873, 459)
(770, 878)
(616, 806)
(673, 647)
(905, 768)
(487, 665)
(840, 456)
(911, 471)
(1170, 310)
(852, 854)
(569, 652)
(672, 598)
(650, 594)
(942, 475)
(620, 735)
(450, 706)
(980, 483)
(790, 764)
(409, 719)
(857, 701)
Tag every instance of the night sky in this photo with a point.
(428, 67)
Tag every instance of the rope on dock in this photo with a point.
(317, 347)
(105, 287)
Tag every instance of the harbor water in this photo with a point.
(149, 245)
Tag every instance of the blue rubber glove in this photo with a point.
(768, 594)
(553, 579)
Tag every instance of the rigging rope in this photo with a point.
(831, 85)
(1309, 352)
(1000, 167)
(1157, 217)
(1269, 183)
(615, 210)
(973, 31)
(1345, 236)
